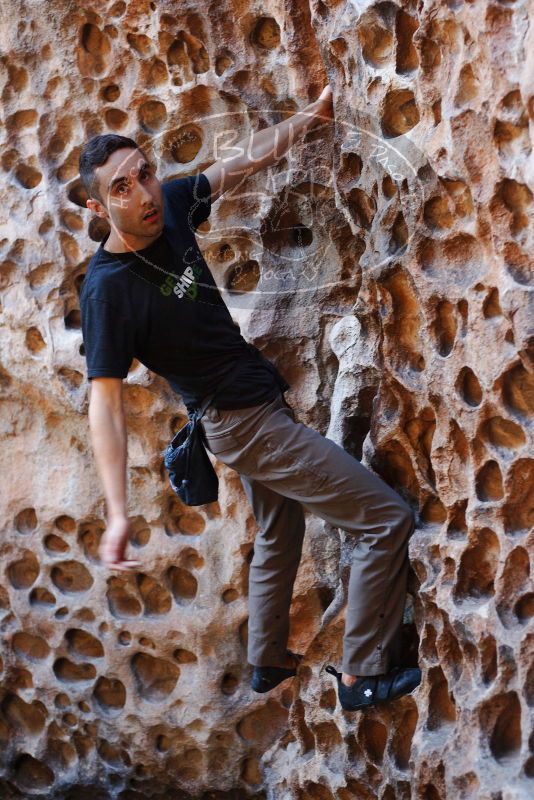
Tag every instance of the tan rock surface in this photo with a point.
(395, 253)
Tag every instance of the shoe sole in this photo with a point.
(363, 706)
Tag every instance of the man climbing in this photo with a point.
(148, 293)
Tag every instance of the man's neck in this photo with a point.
(115, 245)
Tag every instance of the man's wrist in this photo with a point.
(319, 109)
(302, 120)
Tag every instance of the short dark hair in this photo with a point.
(95, 153)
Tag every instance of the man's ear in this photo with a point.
(96, 207)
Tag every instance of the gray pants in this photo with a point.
(285, 466)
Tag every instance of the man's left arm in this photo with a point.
(264, 148)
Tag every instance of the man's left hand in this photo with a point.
(325, 105)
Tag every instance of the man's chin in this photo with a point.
(148, 231)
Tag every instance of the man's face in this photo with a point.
(130, 189)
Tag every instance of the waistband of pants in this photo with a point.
(228, 415)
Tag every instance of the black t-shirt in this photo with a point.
(176, 324)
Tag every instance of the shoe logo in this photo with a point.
(368, 693)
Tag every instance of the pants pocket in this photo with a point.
(222, 442)
(279, 463)
(228, 429)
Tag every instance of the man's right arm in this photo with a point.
(109, 439)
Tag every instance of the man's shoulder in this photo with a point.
(107, 283)
(188, 201)
(188, 190)
(183, 184)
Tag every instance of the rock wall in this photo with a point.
(385, 266)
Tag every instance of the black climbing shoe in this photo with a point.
(266, 678)
(372, 690)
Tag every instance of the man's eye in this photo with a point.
(121, 187)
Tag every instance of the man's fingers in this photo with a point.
(124, 565)
(114, 556)
(112, 551)
(115, 548)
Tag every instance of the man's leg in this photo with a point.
(347, 495)
(267, 445)
(277, 553)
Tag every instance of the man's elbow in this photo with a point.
(106, 391)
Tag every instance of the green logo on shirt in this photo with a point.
(184, 285)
